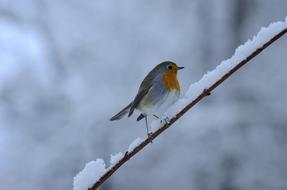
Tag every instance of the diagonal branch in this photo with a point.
(128, 155)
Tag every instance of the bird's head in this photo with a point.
(170, 67)
(169, 75)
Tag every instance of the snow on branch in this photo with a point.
(95, 173)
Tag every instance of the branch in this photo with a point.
(230, 68)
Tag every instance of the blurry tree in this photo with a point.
(66, 66)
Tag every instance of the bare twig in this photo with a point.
(206, 92)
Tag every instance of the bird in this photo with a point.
(158, 91)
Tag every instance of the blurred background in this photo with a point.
(67, 66)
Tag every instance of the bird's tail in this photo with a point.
(122, 113)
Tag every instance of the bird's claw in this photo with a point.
(165, 120)
(149, 136)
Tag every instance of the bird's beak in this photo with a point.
(178, 68)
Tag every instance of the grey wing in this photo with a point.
(143, 90)
(122, 113)
(137, 100)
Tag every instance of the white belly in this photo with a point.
(161, 106)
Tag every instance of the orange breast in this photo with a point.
(170, 81)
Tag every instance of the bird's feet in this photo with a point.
(165, 120)
(149, 136)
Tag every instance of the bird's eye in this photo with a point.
(169, 67)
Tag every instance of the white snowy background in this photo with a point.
(67, 66)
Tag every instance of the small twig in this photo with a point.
(206, 92)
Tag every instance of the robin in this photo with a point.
(159, 90)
